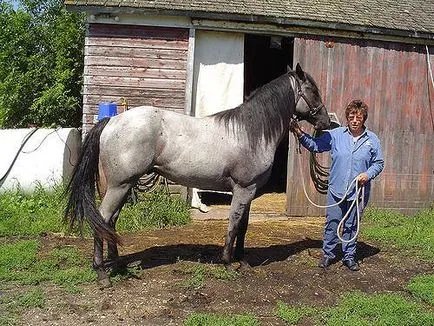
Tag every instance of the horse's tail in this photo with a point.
(81, 188)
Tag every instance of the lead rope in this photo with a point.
(355, 201)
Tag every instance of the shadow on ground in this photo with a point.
(256, 256)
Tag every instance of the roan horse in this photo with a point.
(232, 150)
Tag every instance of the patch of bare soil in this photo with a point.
(283, 254)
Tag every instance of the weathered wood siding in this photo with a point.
(393, 80)
(145, 65)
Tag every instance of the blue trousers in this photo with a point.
(333, 216)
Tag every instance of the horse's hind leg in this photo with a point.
(241, 199)
(112, 248)
(110, 205)
(112, 254)
(103, 279)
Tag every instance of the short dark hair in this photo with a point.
(357, 106)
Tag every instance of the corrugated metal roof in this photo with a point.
(404, 15)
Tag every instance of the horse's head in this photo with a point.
(308, 101)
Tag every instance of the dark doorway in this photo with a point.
(266, 58)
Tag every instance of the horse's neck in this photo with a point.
(266, 115)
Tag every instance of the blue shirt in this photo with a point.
(349, 159)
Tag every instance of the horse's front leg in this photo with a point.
(239, 247)
(241, 200)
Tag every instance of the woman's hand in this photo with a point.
(363, 178)
(295, 128)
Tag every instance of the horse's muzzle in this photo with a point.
(321, 125)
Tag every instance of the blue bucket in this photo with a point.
(106, 109)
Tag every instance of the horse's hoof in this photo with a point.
(104, 283)
(229, 268)
(244, 266)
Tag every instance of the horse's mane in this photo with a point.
(265, 113)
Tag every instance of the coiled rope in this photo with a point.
(359, 203)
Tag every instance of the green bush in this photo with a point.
(41, 64)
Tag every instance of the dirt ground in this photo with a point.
(283, 254)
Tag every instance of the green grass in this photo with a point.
(119, 275)
(156, 209)
(292, 315)
(207, 319)
(422, 287)
(413, 234)
(198, 273)
(33, 299)
(34, 213)
(21, 264)
(359, 309)
(13, 305)
(41, 212)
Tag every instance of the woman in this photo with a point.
(355, 154)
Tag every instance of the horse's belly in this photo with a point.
(193, 174)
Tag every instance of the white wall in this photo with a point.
(47, 157)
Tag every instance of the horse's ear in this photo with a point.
(288, 68)
(300, 72)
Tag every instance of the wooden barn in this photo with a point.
(200, 57)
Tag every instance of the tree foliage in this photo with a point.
(41, 64)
